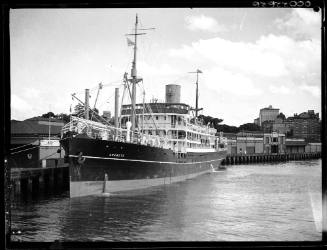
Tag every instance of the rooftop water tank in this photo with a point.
(173, 93)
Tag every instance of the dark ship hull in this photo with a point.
(101, 166)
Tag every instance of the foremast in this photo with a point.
(134, 79)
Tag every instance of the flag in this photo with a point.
(199, 71)
(130, 42)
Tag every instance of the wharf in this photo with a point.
(258, 158)
(26, 181)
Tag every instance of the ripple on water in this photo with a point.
(243, 203)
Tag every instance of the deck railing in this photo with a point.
(98, 130)
(101, 131)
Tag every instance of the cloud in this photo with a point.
(301, 24)
(250, 74)
(19, 103)
(230, 83)
(242, 21)
(153, 70)
(20, 109)
(269, 56)
(203, 23)
(313, 90)
(279, 90)
(31, 93)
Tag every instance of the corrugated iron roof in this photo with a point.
(295, 143)
(24, 141)
(33, 127)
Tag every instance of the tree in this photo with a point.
(208, 119)
(93, 114)
(281, 116)
(249, 127)
(79, 110)
(48, 115)
(63, 117)
(227, 129)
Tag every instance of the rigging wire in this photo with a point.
(16, 152)
(38, 146)
(148, 107)
(22, 146)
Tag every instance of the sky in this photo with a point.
(250, 58)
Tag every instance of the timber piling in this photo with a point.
(259, 158)
(27, 182)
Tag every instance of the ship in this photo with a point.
(149, 144)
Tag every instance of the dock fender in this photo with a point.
(80, 159)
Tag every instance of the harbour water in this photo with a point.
(259, 202)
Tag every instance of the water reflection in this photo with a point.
(245, 202)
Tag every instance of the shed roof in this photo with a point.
(33, 127)
(295, 143)
(24, 141)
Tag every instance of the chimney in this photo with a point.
(173, 93)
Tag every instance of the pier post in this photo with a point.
(16, 187)
(46, 181)
(35, 185)
(24, 186)
(66, 179)
(105, 183)
(55, 176)
(51, 179)
(41, 182)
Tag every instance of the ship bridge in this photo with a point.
(173, 121)
(177, 108)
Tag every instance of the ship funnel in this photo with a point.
(173, 93)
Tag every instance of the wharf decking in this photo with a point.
(26, 181)
(258, 158)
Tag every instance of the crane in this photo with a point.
(96, 99)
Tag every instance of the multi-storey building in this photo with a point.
(255, 143)
(305, 125)
(281, 126)
(268, 114)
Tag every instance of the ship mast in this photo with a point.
(134, 76)
(197, 92)
(134, 80)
